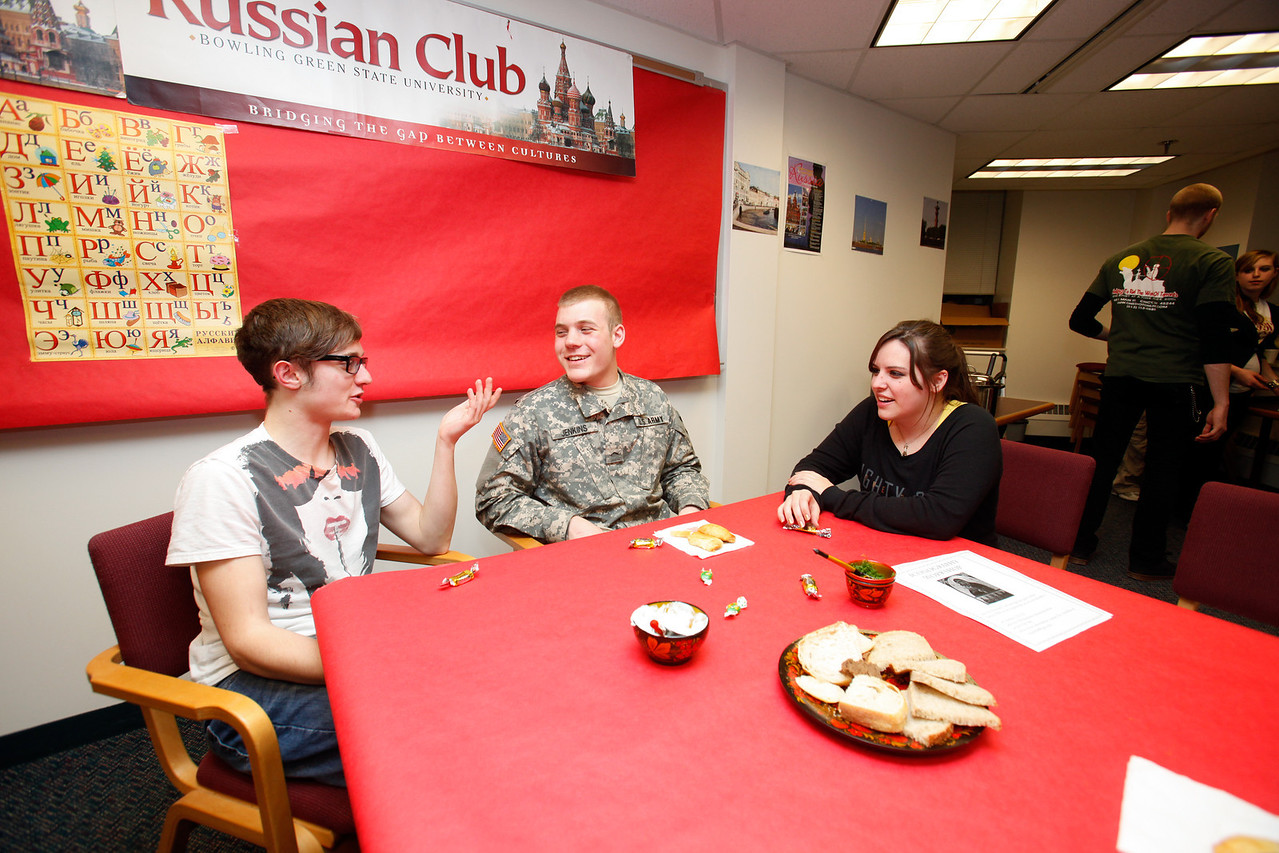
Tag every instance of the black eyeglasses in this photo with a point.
(352, 363)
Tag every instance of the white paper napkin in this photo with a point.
(682, 544)
(1165, 812)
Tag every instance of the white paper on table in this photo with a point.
(681, 543)
(1021, 608)
(1165, 812)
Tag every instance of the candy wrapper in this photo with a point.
(705, 575)
(736, 607)
(810, 586)
(823, 532)
(647, 542)
(461, 577)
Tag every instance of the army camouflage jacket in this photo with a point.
(559, 453)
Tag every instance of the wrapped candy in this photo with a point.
(810, 586)
(736, 607)
(647, 542)
(461, 577)
(705, 575)
(823, 532)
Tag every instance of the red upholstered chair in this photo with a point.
(1230, 557)
(1041, 497)
(154, 615)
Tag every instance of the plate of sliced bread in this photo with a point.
(886, 689)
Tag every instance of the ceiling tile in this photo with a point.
(1024, 64)
(695, 17)
(928, 110)
(831, 67)
(1072, 19)
(897, 72)
(812, 25)
(1005, 112)
(1257, 15)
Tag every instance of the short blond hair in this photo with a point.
(586, 292)
(1194, 201)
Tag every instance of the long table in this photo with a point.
(518, 712)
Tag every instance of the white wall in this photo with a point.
(832, 307)
(796, 331)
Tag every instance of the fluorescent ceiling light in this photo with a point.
(1238, 59)
(1068, 167)
(955, 21)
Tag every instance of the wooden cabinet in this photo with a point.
(976, 325)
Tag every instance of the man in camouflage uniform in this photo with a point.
(594, 450)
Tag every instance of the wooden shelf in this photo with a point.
(974, 325)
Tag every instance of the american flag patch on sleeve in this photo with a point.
(501, 437)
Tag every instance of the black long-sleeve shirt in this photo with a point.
(949, 487)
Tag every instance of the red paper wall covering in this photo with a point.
(452, 262)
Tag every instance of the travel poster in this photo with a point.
(805, 204)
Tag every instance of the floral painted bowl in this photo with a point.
(670, 631)
(870, 582)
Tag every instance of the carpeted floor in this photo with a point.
(112, 796)
(107, 796)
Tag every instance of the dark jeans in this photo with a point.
(1174, 416)
(303, 724)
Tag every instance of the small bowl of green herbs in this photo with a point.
(870, 582)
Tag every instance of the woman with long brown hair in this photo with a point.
(926, 456)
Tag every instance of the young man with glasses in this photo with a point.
(268, 519)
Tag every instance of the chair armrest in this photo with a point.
(518, 541)
(162, 697)
(408, 554)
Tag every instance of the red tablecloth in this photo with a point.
(518, 712)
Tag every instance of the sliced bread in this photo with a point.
(929, 704)
(970, 693)
(927, 732)
(899, 646)
(947, 668)
(822, 691)
(874, 703)
(822, 652)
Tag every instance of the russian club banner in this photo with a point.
(432, 74)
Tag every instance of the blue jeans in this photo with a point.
(303, 723)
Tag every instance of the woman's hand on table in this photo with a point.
(801, 506)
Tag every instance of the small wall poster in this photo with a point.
(932, 225)
(869, 216)
(756, 198)
(805, 205)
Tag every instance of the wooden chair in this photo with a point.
(1041, 497)
(521, 542)
(1228, 559)
(1085, 401)
(154, 615)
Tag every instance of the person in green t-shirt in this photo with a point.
(1172, 301)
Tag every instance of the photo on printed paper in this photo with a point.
(869, 216)
(71, 44)
(756, 198)
(932, 224)
(805, 205)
